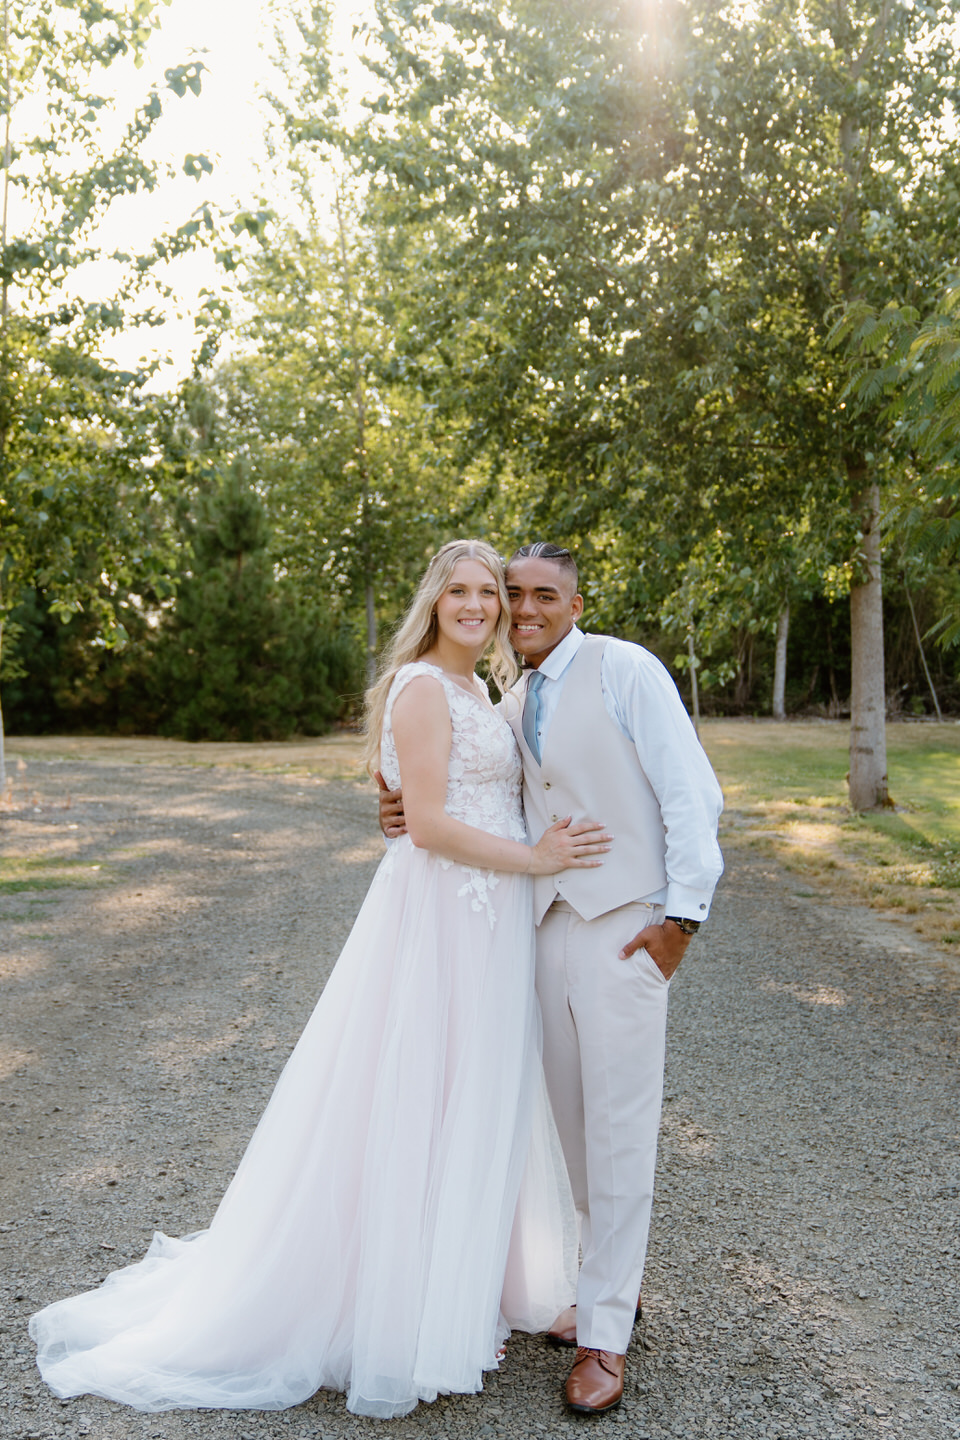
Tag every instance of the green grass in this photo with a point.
(806, 763)
(54, 873)
(786, 791)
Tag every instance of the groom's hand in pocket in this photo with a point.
(666, 945)
(392, 822)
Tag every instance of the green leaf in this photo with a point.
(197, 165)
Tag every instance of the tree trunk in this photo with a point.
(371, 637)
(868, 736)
(923, 658)
(812, 685)
(744, 671)
(868, 710)
(780, 664)
(694, 687)
(360, 413)
(834, 708)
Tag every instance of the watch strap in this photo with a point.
(689, 927)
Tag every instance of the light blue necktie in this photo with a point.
(531, 713)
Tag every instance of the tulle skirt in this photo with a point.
(401, 1204)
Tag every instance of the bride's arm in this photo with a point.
(423, 735)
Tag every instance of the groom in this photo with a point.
(603, 733)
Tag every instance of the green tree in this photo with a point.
(81, 501)
(830, 150)
(242, 656)
(649, 213)
(908, 363)
(356, 495)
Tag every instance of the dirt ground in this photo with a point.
(167, 921)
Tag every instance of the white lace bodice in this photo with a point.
(484, 773)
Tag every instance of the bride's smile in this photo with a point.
(467, 612)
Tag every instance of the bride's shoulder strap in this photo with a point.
(412, 671)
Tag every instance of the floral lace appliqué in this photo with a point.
(477, 885)
(484, 775)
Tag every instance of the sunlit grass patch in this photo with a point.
(786, 792)
(54, 873)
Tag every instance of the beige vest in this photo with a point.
(590, 770)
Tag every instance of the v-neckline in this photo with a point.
(472, 693)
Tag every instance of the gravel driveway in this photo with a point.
(163, 940)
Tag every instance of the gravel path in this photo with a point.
(803, 1276)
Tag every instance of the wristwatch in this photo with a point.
(689, 927)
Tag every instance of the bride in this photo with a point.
(400, 1205)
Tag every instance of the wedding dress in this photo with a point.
(402, 1202)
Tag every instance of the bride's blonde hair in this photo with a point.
(418, 632)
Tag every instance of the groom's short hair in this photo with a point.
(546, 550)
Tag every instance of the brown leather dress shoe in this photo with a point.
(595, 1383)
(563, 1331)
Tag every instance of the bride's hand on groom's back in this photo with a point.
(392, 822)
(569, 845)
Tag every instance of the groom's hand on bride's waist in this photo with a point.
(665, 944)
(392, 822)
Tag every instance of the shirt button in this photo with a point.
(546, 784)
(554, 818)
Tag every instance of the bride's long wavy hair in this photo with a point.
(418, 632)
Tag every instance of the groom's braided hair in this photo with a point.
(546, 550)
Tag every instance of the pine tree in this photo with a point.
(244, 658)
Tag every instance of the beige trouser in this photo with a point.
(604, 1026)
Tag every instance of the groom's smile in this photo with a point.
(544, 606)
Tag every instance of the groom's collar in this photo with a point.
(559, 658)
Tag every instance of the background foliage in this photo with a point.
(670, 282)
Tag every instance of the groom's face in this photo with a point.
(544, 606)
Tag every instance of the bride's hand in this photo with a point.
(568, 846)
